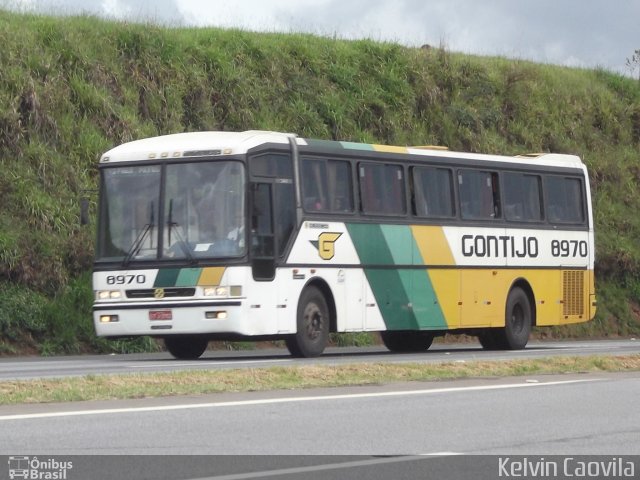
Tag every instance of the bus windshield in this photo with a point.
(197, 213)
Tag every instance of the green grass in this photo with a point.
(73, 87)
(200, 382)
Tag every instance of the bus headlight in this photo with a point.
(224, 292)
(109, 294)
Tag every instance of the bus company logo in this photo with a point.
(35, 469)
(326, 244)
(158, 293)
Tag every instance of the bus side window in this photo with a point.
(340, 186)
(565, 199)
(382, 189)
(285, 215)
(314, 185)
(479, 195)
(272, 165)
(261, 221)
(433, 192)
(262, 234)
(522, 197)
(326, 185)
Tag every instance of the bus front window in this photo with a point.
(204, 210)
(129, 213)
(201, 214)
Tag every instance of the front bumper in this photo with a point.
(169, 318)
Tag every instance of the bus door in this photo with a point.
(272, 221)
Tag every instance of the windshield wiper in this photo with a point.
(137, 244)
(181, 243)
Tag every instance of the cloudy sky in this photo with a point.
(582, 33)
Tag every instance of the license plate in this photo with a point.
(160, 315)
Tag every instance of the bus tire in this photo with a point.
(312, 332)
(517, 322)
(406, 341)
(186, 347)
(518, 319)
(517, 325)
(490, 339)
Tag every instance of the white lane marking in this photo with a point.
(267, 401)
(198, 364)
(324, 467)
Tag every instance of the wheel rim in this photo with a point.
(313, 320)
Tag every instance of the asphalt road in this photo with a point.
(39, 367)
(400, 430)
(450, 429)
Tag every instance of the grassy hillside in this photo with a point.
(71, 88)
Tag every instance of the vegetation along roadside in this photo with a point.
(109, 387)
(73, 87)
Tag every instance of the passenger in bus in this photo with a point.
(313, 204)
(236, 239)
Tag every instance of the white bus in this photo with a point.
(264, 235)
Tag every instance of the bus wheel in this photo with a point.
(517, 324)
(186, 347)
(406, 341)
(518, 320)
(313, 320)
(492, 339)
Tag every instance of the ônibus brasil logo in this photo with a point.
(36, 469)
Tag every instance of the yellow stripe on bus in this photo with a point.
(390, 149)
(446, 284)
(434, 250)
(433, 245)
(211, 276)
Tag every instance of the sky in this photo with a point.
(577, 33)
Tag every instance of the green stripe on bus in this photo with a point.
(424, 301)
(400, 242)
(188, 277)
(312, 142)
(423, 296)
(370, 244)
(166, 277)
(406, 297)
(416, 283)
(391, 297)
(386, 284)
(177, 277)
(357, 146)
